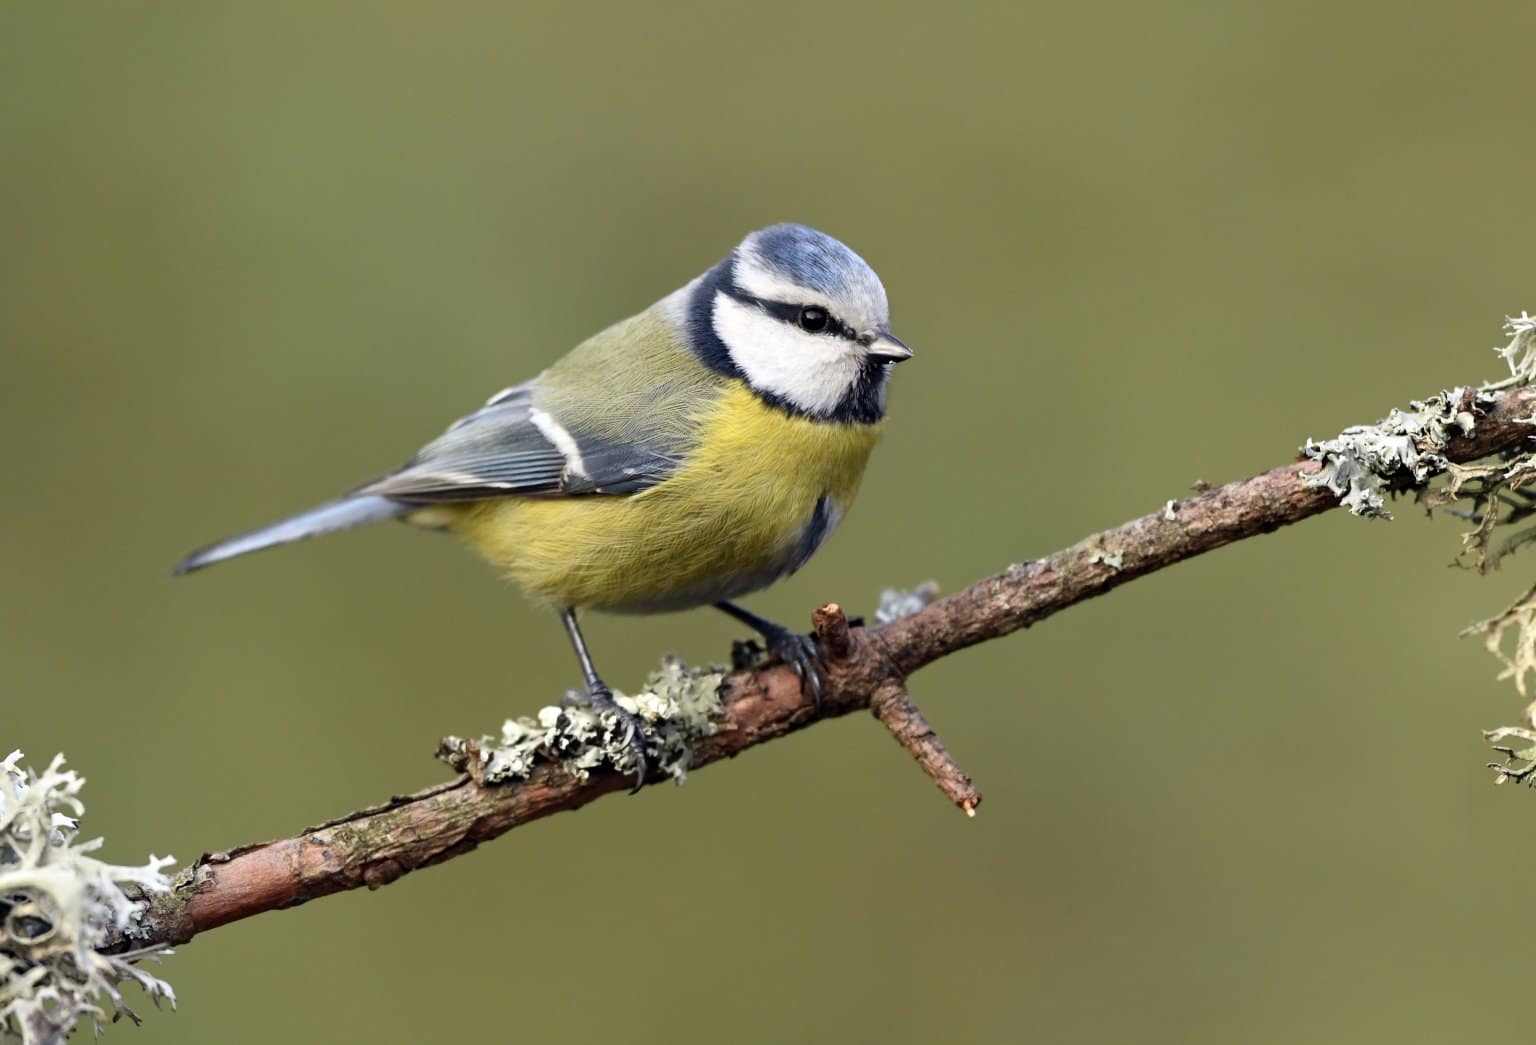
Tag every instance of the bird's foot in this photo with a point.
(801, 652)
(621, 726)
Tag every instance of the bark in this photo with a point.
(865, 668)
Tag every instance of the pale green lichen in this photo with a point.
(1114, 558)
(1519, 762)
(1359, 464)
(678, 705)
(58, 906)
(1519, 622)
(1519, 353)
(1498, 499)
(896, 603)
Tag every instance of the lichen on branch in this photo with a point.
(557, 761)
(58, 907)
(677, 706)
(1360, 464)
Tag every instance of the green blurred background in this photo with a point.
(256, 253)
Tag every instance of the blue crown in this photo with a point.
(815, 260)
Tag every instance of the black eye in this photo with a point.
(813, 320)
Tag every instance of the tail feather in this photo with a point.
(342, 514)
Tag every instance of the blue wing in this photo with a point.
(512, 446)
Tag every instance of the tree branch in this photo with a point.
(893, 706)
(866, 667)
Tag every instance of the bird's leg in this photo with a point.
(600, 699)
(800, 652)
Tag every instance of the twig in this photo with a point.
(376, 846)
(893, 706)
(830, 624)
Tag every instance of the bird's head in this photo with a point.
(802, 320)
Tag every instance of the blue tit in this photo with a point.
(688, 455)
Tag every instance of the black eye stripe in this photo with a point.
(787, 313)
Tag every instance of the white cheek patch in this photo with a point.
(813, 372)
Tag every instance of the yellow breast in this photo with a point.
(740, 513)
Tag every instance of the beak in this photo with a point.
(888, 348)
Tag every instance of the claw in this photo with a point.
(801, 652)
(816, 688)
(602, 702)
(803, 656)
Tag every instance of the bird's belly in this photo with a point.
(749, 506)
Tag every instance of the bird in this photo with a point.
(689, 455)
